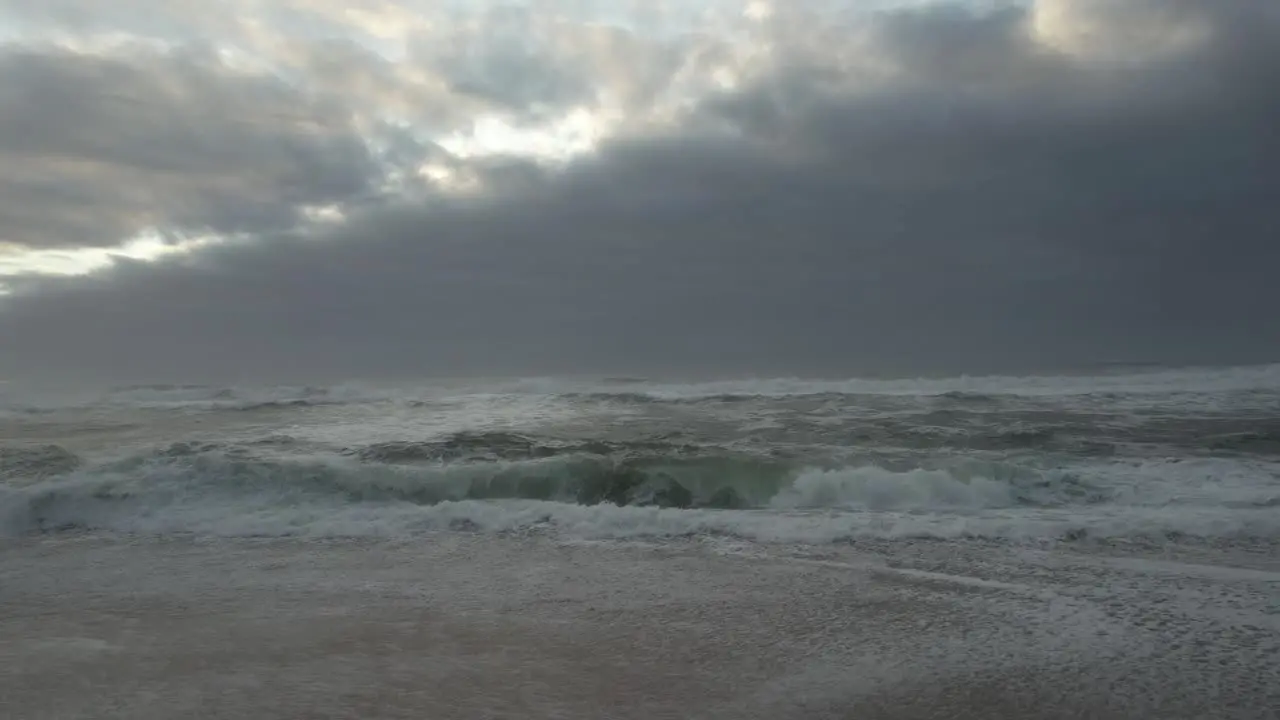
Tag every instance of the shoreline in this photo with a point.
(458, 625)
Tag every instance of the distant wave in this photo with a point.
(33, 463)
(474, 445)
(213, 397)
(161, 387)
(1142, 380)
(975, 398)
(1128, 382)
(1265, 440)
(279, 405)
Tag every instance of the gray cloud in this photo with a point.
(984, 200)
(97, 149)
(224, 122)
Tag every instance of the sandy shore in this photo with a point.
(469, 626)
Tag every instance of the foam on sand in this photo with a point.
(463, 625)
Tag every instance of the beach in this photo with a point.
(458, 625)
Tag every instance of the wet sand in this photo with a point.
(456, 625)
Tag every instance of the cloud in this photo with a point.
(172, 118)
(948, 190)
(98, 149)
(1108, 30)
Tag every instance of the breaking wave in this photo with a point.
(219, 489)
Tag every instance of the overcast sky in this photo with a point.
(296, 189)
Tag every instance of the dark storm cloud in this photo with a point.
(96, 149)
(991, 201)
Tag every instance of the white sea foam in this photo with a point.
(1029, 464)
(219, 496)
(874, 488)
(611, 522)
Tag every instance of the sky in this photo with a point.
(280, 190)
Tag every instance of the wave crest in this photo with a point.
(234, 489)
(192, 478)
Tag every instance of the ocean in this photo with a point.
(1096, 545)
